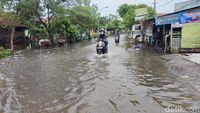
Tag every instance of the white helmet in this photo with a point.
(102, 31)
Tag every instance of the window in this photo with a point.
(137, 27)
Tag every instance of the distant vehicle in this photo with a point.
(116, 39)
(136, 32)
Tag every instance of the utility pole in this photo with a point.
(155, 15)
(155, 8)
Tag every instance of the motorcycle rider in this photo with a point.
(102, 36)
(117, 34)
(117, 37)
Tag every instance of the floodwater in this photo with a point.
(74, 79)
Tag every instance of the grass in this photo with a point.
(4, 52)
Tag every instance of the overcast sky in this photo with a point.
(114, 4)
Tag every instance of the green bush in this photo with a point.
(4, 52)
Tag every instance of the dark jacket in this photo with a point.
(158, 36)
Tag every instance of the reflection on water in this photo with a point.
(74, 79)
(163, 86)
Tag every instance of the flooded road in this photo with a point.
(75, 80)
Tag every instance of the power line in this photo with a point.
(165, 3)
(160, 1)
(189, 3)
(196, 1)
(155, 3)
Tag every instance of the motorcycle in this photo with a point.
(116, 39)
(101, 47)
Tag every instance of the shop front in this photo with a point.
(176, 29)
(190, 21)
(148, 31)
(164, 26)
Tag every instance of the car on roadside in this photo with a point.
(136, 32)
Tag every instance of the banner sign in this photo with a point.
(190, 35)
(140, 13)
(186, 5)
(188, 17)
(181, 17)
(168, 19)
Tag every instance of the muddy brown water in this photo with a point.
(74, 79)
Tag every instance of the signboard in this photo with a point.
(186, 5)
(188, 17)
(189, 40)
(140, 13)
(168, 19)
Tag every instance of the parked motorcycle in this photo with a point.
(44, 43)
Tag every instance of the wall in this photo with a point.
(191, 36)
(19, 38)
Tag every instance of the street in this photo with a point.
(73, 79)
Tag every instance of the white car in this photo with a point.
(136, 32)
(137, 36)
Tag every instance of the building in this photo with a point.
(182, 27)
(20, 39)
(148, 30)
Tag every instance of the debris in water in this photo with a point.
(114, 104)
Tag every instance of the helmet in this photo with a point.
(102, 30)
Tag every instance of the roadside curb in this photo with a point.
(186, 70)
(184, 57)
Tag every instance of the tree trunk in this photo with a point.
(51, 37)
(47, 27)
(11, 40)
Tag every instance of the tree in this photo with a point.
(83, 2)
(114, 23)
(127, 13)
(112, 17)
(123, 9)
(129, 18)
(11, 16)
(64, 29)
(36, 13)
(39, 15)
(60, 26)
(103, 21)
(83, 17)
(72, 3)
